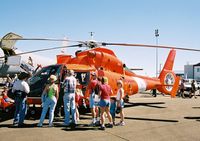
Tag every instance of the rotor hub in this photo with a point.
(92, 44)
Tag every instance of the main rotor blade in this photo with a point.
(44, 39)
(46, 49)
(150, 46)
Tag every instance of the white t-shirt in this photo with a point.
(21, 85)
(118, 93)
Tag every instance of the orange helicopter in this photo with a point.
(104, 62)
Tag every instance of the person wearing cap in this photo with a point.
(92, 92)
(51, 92)
(120, 102)
(20, 90)
(69, 98)
(104, 93)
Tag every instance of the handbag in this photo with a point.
(118, 110)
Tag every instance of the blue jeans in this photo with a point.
(92, 102)
(113, 109)
(69, 103)
(49, 103)
(20, 110)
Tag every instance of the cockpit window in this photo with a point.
(45, 73)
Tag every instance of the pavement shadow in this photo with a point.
(5, 116)
(196, 107)
(24, 126)
(150, 104)
(5, 125)
(191, 117)
(61, 119)
(81, 127)
(151, 119)
(82, 118)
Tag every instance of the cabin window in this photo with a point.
(83, 77)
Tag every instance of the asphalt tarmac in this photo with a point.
(147, 119)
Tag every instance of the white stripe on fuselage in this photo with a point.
(141, 84)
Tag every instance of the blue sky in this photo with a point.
(132, 21)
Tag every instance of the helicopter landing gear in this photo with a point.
(126, 99)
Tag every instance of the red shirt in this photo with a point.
(105, 91)
(92, 85)
(5, 97)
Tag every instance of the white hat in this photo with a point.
(93, 73)
(70, 72)
(120, 82)
(53, 77)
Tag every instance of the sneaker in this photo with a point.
(15, 124)
(122, 123)
(21, 125)
(109, 125)
(97, 123)
(66, 125)
(102, 128)
(73, 125)
(92, 124)
(39, 125)
(51, 125)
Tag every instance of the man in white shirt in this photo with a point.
(20, 90)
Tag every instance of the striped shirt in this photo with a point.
(70, 84)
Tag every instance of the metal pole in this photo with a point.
(156, 35)
(92, 35)
(156, 57)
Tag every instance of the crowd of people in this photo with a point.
(8, 81)
(101, 100)
(192, 90)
